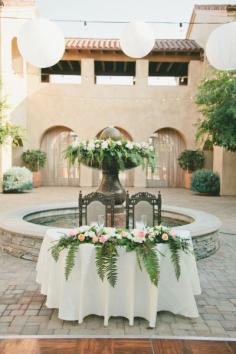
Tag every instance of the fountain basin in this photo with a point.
(22, 237)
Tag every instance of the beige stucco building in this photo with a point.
(95, 85)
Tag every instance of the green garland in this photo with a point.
(111, 154)
(107, 240)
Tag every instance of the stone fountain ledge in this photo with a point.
(23, 239)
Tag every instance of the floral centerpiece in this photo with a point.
(107, 242)
(111, 153)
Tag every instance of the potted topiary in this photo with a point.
(35, 160)
(190, 161)
(17, 179)
(205, 182)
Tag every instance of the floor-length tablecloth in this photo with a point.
(134, 295)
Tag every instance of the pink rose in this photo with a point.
(173, 234)
(140, 233)
(73, 232)
(103, 238)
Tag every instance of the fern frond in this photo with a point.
(70, 259)
(150, 260)
(175, 257)
(100, 262)
(111, 265)
(55, 252)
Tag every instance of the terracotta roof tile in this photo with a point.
(19, 3)
(212, 7)
(161, 45)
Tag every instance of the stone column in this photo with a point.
(224, 162)
(141, 77)
(87, 71)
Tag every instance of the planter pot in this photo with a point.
(37, 179)
(187, 179)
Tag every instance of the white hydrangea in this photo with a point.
(129, 146)
(90, 234)
(91, 145)
(83, 228)
(104, 145)
(75, 144)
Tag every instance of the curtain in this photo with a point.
(57, 171)
(168, 144)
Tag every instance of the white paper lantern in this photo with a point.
(221, 47)
(137, 40)
(41, 42)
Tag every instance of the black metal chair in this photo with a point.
(104, 206)
(145, 201)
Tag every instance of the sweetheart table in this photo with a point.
(134, 295)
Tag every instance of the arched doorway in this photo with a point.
(126, 177)
(57, 171)
(168, 144)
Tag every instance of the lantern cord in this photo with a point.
(86, 22)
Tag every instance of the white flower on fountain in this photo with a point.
(129, 145)
(104, 144)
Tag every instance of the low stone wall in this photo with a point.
(23, 239)
(21, 246)
(206, 245)
(27, 247)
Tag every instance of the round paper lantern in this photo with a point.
(137, 40)
(41, 42)
(221, 47)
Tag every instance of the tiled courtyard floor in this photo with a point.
(22, 309)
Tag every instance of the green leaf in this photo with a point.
(70, 259)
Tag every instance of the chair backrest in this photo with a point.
(95, 205)
(143, 204)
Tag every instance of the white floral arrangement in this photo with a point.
(110, 154)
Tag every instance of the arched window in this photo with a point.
(168, 144)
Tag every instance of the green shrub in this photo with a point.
(34, 159)
(17, 179)
(191, 160)
(205, 181)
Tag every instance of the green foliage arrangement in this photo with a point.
(110, 154)
(8, 130)
(191, 160)
(17, 179)
(205, 181)
(107, 242)
(34, 159)
(216, 99)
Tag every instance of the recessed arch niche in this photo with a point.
(57, 171)
(168, 143)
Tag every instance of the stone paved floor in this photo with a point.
(22, 309)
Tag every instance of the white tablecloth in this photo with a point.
(134, 295)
